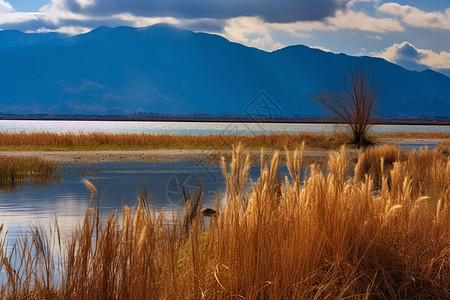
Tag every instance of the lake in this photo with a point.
(195, 128)
(119, 182)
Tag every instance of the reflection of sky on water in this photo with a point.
(410, 147)
(116, 182)
(195, 128)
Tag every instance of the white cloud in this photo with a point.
(85, 3)
(5, 7)
(436, 60)
(144, 21)
(238, 29)
(254, 31)
(19, 17)
(347, 19)
(321, 48)
(350, 19)
(8, 15)
(72, 30)
(415, 17)
(57, 13)
(407, 52)
(251, 31)
(392, 53)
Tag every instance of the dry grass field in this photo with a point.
(46, 141)
(378, 230)
(103, 141)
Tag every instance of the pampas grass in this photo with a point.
(310, 235)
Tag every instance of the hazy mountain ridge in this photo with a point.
(165, 69)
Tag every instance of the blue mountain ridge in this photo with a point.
(164, 69)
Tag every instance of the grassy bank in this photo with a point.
(301, 237)
(415, 135)
(45, 141)
(15, 171)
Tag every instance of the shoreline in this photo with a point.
(157, 155)
(161, 155)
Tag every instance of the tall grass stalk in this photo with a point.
(307, 236)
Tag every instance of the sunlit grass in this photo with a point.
(45, 141)
(307, 236)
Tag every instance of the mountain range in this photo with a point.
(164, 69)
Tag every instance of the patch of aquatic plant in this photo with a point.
(14, 171)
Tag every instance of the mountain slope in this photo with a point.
(168, 70)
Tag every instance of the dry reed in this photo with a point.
(47, 141)
(15, 171)
(135, 141)
(416, 135)
(308, 236)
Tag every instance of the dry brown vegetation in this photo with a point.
(46, 141)
(310, 235)
(135, 141)
(415, 135)
(378, 163)
(17, 170)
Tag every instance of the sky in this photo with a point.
(412, 33)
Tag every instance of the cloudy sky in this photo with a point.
(412, 33)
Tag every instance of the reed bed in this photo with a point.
(415, 135)
(378, 163)
(47, 141)
(15, 171)
(104, 141)
(311, 235)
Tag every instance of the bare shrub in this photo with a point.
(356, 105)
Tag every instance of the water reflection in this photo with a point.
(195, 128)
(117, 183)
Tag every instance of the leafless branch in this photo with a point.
(356, 105)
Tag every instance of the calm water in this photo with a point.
(117, 182)
(195, 128)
